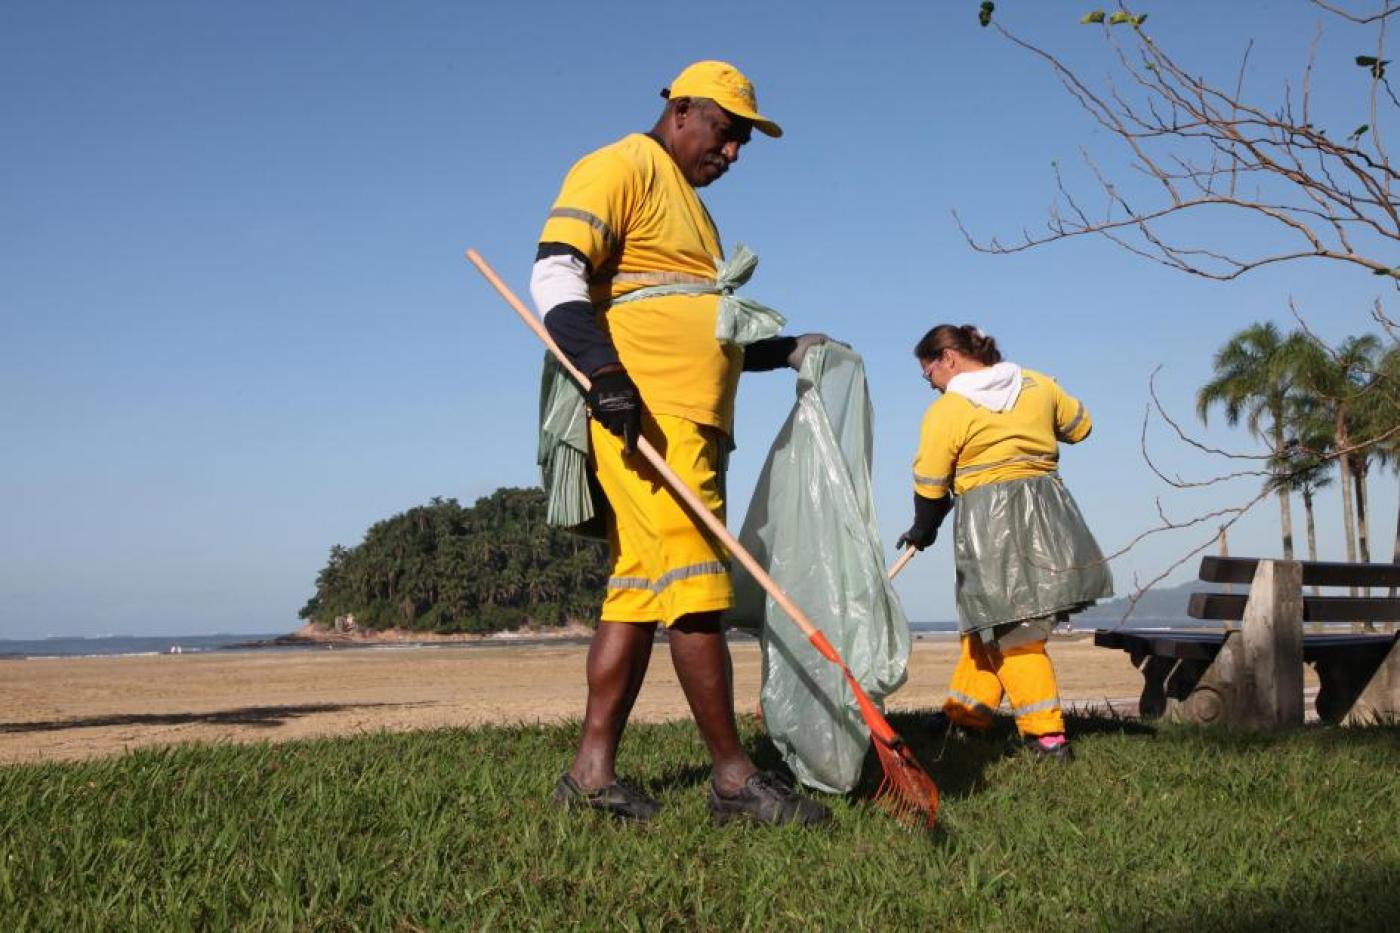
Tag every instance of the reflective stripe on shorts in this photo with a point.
(671, 576)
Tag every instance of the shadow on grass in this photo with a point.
(1350, 895)
(957, 765)
(262, 716)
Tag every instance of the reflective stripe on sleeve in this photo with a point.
(935, 481)
(593, 220)
(1074, 423)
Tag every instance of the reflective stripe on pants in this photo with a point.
(1023, 674)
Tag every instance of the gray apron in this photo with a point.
(1025, 559)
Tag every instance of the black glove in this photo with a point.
(928, 515)
(617, 405)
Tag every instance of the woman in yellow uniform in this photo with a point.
(1024, 557)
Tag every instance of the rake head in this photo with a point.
(907, 792)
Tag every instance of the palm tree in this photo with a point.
(1307, 471)
(1337, 381)
(1254, 373)
(1306, 466)
(1384, 417)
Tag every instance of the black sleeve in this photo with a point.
(563, 249)
(763, 355)
(929, 513)
(574, 324)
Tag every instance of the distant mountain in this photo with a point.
(1156, 606)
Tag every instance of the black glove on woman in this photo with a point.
(928, 515)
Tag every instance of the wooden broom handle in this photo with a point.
(904, 558)
(678, 486)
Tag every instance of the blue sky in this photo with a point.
(236, 327)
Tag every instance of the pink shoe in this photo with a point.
(1053, 745)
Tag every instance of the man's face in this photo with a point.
(707, 141)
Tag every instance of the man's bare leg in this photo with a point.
(701, 658)
(617, 665)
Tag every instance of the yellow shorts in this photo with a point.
(663, 565)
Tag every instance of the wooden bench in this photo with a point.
(1250, 672)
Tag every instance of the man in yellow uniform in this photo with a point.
(628, 227)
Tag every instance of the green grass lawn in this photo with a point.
(1158, 828)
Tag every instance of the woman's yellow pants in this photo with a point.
(1023, 674)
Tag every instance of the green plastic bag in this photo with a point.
(811, 524)
(574, 499)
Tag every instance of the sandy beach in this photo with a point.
(77, 708)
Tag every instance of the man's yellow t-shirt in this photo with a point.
(628, 208)
(963, 445)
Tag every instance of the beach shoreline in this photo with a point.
(68, 709)
(313, 635)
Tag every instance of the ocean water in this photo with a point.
(933, 628)
(117, 645)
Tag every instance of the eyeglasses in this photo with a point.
(928, 368)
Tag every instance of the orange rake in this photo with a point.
(907, 791)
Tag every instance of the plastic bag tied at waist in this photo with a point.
(812, 525)
(574, 501)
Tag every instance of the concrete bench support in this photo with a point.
(1256, 681)
(1379, 699)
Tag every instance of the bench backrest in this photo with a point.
(1315, 572)
(1230, 606)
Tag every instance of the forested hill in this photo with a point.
(444, 568)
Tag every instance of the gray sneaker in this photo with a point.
(621, 799)
(770, 799)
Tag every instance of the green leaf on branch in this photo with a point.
(1120, 18)
(984, 15)
(1094, 17)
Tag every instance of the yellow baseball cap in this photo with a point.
(726, 85)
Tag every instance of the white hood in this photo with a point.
(996, 387)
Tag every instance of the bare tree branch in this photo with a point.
(1352, 17)
(1189, 145)
(1199, 143)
